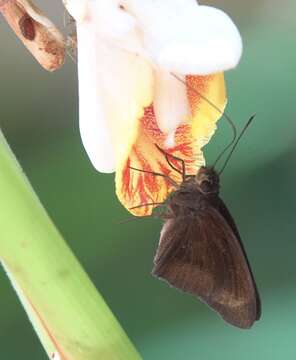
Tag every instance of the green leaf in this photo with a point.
(67, 312)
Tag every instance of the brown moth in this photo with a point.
(200, 250)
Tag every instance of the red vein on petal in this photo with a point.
(126, 178)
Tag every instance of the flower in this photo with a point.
(129, 53)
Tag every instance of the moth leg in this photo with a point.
(147, 204)
(133, 218)
(157, 174)
(167, 155)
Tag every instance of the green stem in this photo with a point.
(67, 312)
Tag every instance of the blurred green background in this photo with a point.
(38, 115)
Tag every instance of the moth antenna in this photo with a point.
(235, 144)
(223, 113)
(167, 155)
(156, 174)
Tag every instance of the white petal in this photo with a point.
(213, 45)
(186, 38)
(158, 20)
(126, 83)
(170, 102)
(92, 118)
(112, 22)
(114, 87)
(110, 19)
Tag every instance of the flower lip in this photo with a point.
(135, 188)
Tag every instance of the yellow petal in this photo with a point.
(137, 188)
(204, 114)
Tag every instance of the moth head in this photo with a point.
(207, 180)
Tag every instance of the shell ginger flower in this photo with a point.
(129, 52)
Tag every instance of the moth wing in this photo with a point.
(222, 208)
(201, 255)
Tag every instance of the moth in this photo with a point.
(200, 250)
